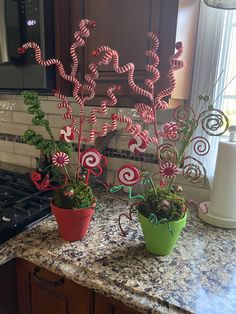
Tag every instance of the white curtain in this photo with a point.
(210, 58)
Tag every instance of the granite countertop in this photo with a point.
(199, 276)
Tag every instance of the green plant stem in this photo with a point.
(171, 184)
(67, 173)
(181, 153)
(153, 187)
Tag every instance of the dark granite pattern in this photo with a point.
(199, 276)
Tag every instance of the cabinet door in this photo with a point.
(43, 292)
(8, 289)
(104, 305)
(124, 26)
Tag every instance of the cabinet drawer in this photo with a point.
(43, 292)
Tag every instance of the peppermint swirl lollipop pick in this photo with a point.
(128, 175)
(90, 158)
(67, 134)
(137, 145)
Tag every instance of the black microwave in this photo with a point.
(22, 21)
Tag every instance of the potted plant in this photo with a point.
(73, 201)
(162, 211)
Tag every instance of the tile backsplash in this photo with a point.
(14, 120)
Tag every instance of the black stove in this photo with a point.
(21, 204)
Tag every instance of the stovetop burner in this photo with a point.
(21, 204)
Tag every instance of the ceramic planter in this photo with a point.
(73, 224)
(159, 240)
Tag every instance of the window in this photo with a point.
(214, 50)
(228, 63)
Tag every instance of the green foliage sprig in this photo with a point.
(47, 146)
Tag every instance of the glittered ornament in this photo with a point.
(69, 193)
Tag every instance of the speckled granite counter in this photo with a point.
(199, 277)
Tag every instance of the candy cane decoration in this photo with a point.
(175, 65)
(145, 112)
(65, 104)
(106, 127)
(79, 35)
(128, 175)
(151, 53)
(49, 62)
(130, 128)
(104, 104)
(90, 78)
(129, 67)
(134, 129)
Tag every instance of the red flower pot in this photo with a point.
(73, 224)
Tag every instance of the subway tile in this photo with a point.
(57, 121)
(6, 146)
(98, 126)
(16, 159)
(87, 110)
(13, 128)
(53, 98)
(22, 117)
(129, 112)
(25, 149)
(34, 163)
(19, 97)
(116, 163)
(110, 177)
(6, 105)
(150, 167)
(50, 107)
(11, 96)
(196, 194)
(122, 142)
(5, 116)
(164, 116)
(41, 130)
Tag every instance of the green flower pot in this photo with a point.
(159, 240)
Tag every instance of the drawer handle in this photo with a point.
(44, 281)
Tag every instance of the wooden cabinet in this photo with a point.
(43, 292)
(8, 289)
(104, 305)
(124, 25)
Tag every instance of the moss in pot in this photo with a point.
(73, 206)
(162, 215)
